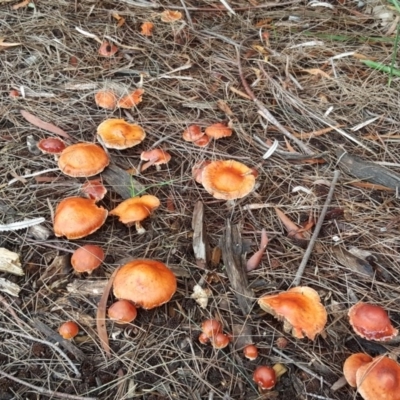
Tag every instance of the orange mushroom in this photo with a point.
(300, 309)
(371, 322)
(122, 312)
(131, 100)
(147, 283)
(171, 16)
(119, 134)
(83, 160)
(107, 49)
(106, 99)
(94, 189)
(210, 327)
(351, 366)
(146, 29)
(380, 379)
(87, 258)
(135, 210)
(51, 145)
(76, 217)
(220, 340)
(154, 157)
(250, 352)
(192, 133)
(68, 330)
(218, 131)
(228, 180)
(203, 141)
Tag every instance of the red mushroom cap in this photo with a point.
(68, 330)
(264, 377)
(371, 322)
(220, 340)
(51, 145)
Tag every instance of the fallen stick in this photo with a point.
(318, 226)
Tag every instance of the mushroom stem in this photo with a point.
(139, 228)
(149, 164)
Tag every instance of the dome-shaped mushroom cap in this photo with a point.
(83, 160)
(352, 364)
(301, 310)
(218, 131)
(371, 322)
(228, 180)
(136, 208)
(87, 258)
(147, 283)
(76, 217)
(119, 134)
(379, 380)
(51, 145)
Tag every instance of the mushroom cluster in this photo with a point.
(215, 131)
(211, 332)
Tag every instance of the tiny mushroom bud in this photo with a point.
(106, 99)
(352, 364)
(250, 352)
(122, 311)
(51, 145)
(87, 258)
(135, 210)
(211, 327)
(154, 157)
(371, 322)
(220, 340)
(68, 330)
(301, 310)
(264, 377)
(107, 49)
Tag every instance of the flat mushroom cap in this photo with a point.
(218, 131)
(51, 145)
(192, 133)
(83, 160)
(76, 217)
(147, 283)
(352, 364)
(379, 380)
(157, 156)
(371, 322)
(119, 134)
(131, 100)
(301, 310)
(136, 209)
(106, 99)
(228, 180)
(87, 258)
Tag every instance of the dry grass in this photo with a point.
(159, 356)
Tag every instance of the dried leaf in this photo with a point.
(20, 5)
(223, 106)
(147, 28)
(320, 132)
(6, 44)
(201, 295)
(291, 227)
(255, 260)
(44, 125)
(317, 71)
(121, 20)
(101, 316)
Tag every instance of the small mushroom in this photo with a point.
(87, 258)
(170, 16)
(131, 100)
(119, 134)
(210, 327)
(83, 160)
(94, 189)
(218, 131)
(122, 312)
(228, 180)
(146, 29)
(351, 366)
(220, 340)
(68, 330)
(106, 99)
(146, 283)
(76, 217)
(135, 210)
(264, 377)
(107, 49)
(250, 352)
(371, 322)
(154, 157)
(51, 145)
(192, 133)
(301, 311)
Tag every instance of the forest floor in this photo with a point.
(335, 116)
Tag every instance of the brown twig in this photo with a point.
(263, 111)
(315, 234)
(45, 392)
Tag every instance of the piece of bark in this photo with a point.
(87, 287)
(367, 171)
(122, 182)
(201, 247)
(233, 254)
(9, 262)
(9, 287)
(55, 337)
(352, 262)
